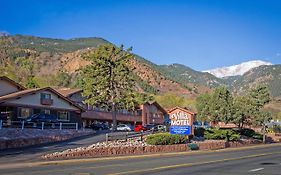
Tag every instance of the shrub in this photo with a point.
(247, 132)
(199, 132)
(193, 146)
(221, 134)
(165, 139)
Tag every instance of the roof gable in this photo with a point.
(24, 93)
(67, 92)
(159, 107)
(182, 109)
(12, 82)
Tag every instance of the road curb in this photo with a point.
(73, 161)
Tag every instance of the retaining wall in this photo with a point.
(115, 151)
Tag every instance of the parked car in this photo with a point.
(150, 126)
(38, 118)
(123, 127)
(139, 128)
(99, 126)
(159, 128)
(198, 124)
(3, 116)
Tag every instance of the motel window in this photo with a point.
(45, 96)
(24, 112)
(63, 116)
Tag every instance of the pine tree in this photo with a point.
(220, 105)
(242, 111)
(203, 107)
(107, 82)
(260, 96)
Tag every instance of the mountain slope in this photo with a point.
(186, 75)
(59, 60)
(269, 75)
(56, 62)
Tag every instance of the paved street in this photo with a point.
(255, 160)
(33, 153)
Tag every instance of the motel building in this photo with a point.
(148, 113)
(18, 103)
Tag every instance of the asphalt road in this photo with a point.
(258, 160)
(33, 153)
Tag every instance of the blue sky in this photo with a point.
(201, 34)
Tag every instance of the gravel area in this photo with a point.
(132, 142)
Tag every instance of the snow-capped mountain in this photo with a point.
(238, 69)
(3, 33)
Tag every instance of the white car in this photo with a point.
(123, 127)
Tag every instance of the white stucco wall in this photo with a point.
(34, 100)
(7, 88)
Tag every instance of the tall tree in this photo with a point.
(260, 97)
(221, 105)
(242, 111)
(203, 107)
(107, 81)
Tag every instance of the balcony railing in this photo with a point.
(46, 101)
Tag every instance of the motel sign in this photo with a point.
(181, 121)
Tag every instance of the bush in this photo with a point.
(193, 146)
(199, 132)
(221, 134)
(247, 132)
(165, 139)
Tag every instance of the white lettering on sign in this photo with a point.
(179, 119)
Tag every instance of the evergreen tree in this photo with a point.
(260, 96)
(242, 111)
(107, 82)
(220, 105)
(203, 107)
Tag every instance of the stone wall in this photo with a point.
(115, 151)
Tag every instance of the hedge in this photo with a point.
(165, 139)
(221, 134)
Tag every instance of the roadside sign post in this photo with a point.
(22, 125)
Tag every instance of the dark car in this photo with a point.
(150, 126)
(39, 118)
(99, 126)
(3, 116)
